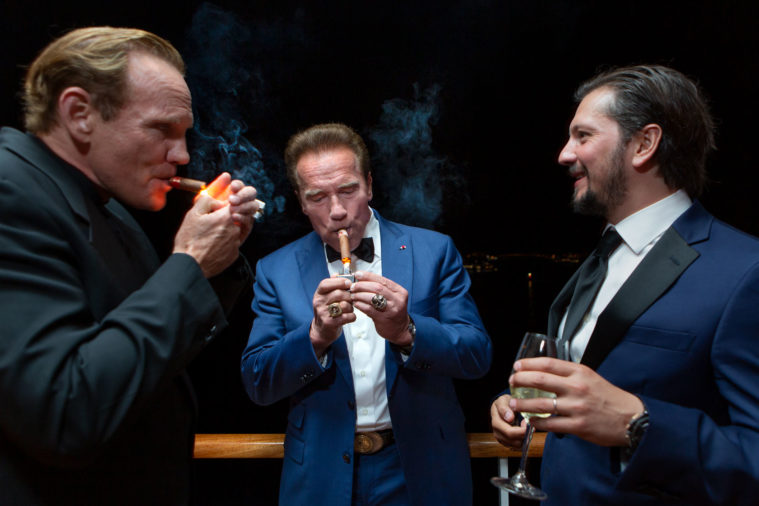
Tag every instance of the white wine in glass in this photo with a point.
(532, 393)
(533, 345)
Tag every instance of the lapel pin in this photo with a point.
(403, 246)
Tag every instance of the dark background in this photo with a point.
(483, 89)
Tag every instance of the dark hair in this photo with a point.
(321, 138)
(648, 94)
(94, 59)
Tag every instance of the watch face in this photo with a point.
(636, 429)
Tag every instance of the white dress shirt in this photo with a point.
(640, 232)
(366, 348)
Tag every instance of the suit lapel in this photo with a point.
(397, 265)
(663, 265)
(311, 264)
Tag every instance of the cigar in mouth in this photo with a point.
(197, 186)
(345, 253)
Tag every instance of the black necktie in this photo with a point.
(589, 281)
(364, 251)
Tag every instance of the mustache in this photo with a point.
(576, 170)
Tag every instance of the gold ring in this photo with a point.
(334, 309)
(555, 406)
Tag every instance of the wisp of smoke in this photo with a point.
(410, 176)
(220, 84)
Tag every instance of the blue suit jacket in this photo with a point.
(683, 335)
(428, 423)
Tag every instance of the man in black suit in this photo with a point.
(95, 407)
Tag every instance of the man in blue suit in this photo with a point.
(368, 366)
(659, 404)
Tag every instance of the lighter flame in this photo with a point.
(200, 188)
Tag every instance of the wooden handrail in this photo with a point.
(271, 446)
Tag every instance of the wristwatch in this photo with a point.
(411, 330)
(635, 430)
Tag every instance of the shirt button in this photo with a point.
(364, 411)
(362, 374)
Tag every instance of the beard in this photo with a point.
(612, 191)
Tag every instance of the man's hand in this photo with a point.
(243, 206)
(588, 406)
(391, 322)
(325, 328)
(213, 229)
(502, 419)
(241, 199)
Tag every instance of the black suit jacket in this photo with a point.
(95, 407)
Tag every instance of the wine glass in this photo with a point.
(533, 345)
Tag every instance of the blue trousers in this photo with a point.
(378, 479)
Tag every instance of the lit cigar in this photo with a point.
(197, 186)
(187, 184)
(345, 254)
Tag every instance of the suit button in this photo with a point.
(346, 458)
(351, 405)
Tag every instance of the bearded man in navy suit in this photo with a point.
(659, 404)
(375, 371)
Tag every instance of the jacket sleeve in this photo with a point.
(688, 455)
(450, 337)
(69, 380)
(278, 360)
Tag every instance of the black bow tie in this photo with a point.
(364, 251)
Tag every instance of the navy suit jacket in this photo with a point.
(682, 333)
(428, 423)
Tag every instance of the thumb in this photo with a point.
(204, 204)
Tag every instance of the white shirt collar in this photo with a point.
(642, 227)
(373, 230)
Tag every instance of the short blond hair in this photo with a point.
(94, 59)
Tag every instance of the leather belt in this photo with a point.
(367, 443)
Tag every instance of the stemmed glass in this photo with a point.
(533, 345)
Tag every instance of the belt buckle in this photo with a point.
(367, 443)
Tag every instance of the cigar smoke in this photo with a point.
(412, 172)
(224, 88)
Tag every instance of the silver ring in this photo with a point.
(379, 302)
(334, 309)
(555, 406)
